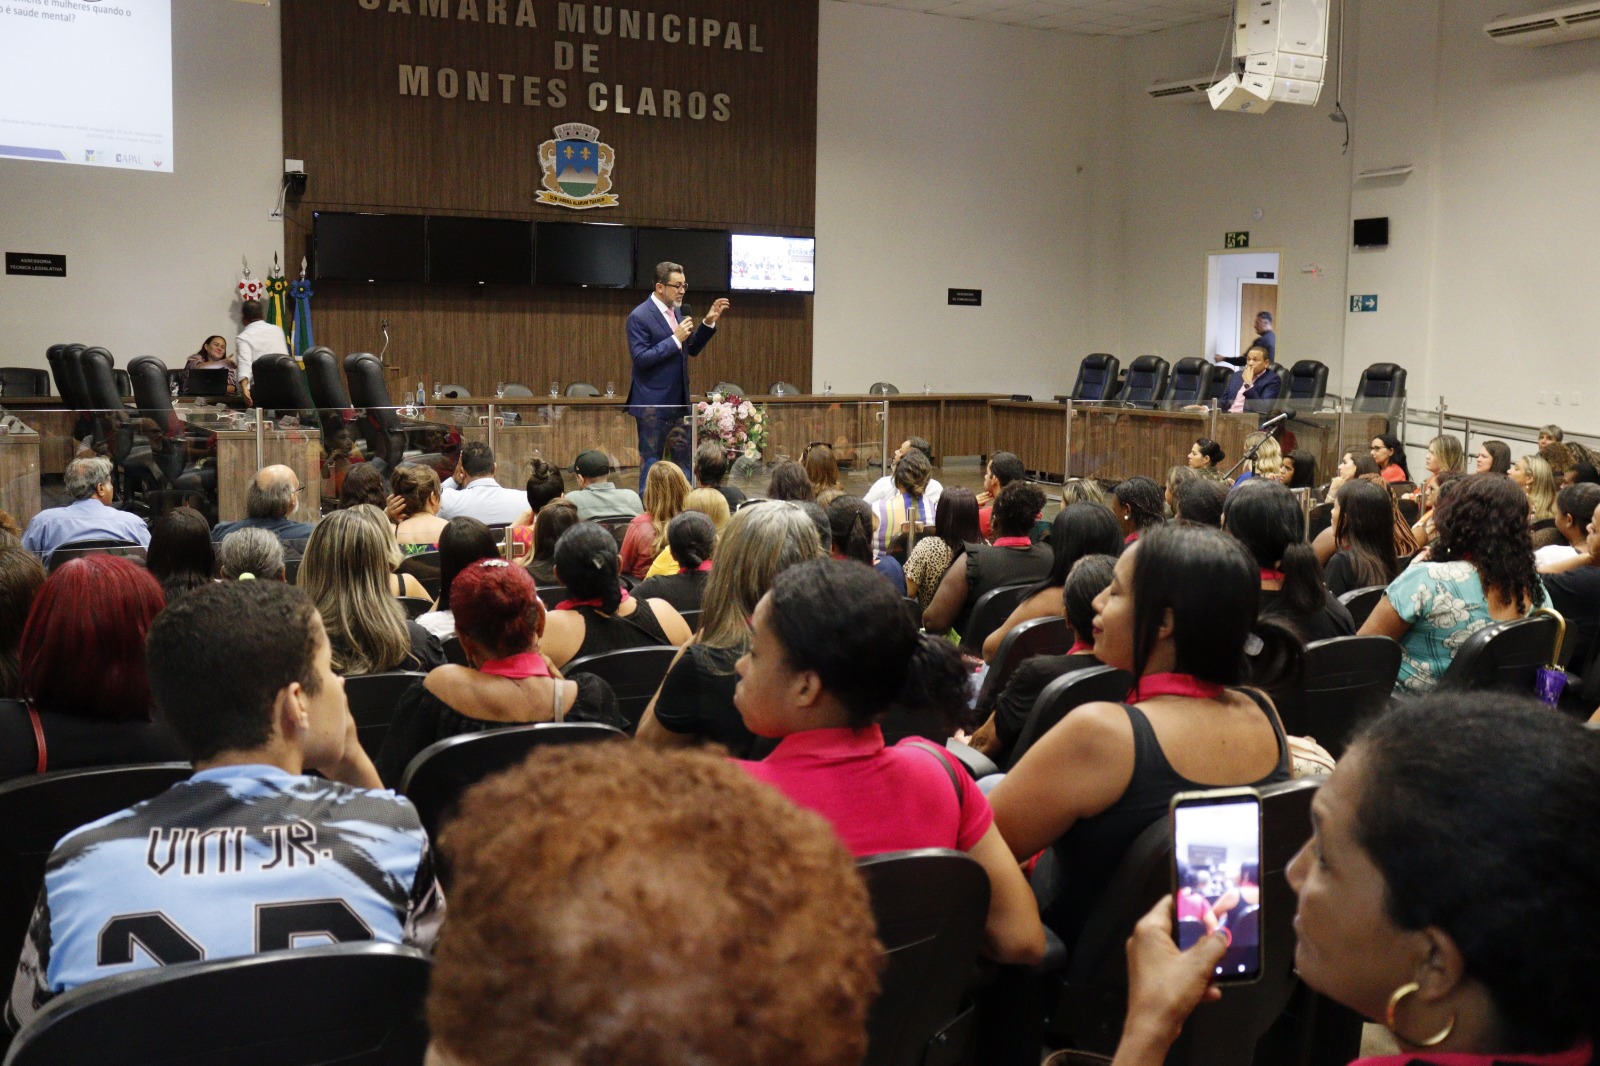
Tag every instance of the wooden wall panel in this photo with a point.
(367, 147)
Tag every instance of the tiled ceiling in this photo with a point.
(1094, 18)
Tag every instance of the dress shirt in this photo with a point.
(255, 340)
(82, 520)
(485, 499)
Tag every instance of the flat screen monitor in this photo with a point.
(1372, 232)
(359, 247)
(703, 254)
(583, 253)
(773, 264)
(205, 380)
(483, 251)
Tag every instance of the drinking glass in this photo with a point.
(555, 389)
(611, 389)
(499, 389)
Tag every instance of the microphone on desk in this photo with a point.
(1274, 420)
(383, 324)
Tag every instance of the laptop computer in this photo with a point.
(208, 381)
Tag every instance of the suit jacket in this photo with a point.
(1266, 387)
(660, 367)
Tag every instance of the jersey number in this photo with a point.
(278, 926)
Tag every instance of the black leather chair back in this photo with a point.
(883, 388)
(1097, 377)
(930, 906)
(1188, 382)
(278, 385)
(1345, 681)
(1036, 636)
(68, 375)
(1063, 694)
(634, 674)
(37, 811)
(1360, 602)
(1504, 656)
(1381, 390)
(151, 393)
(372, 699)
(424, 566)
(322, 377)
(367, 389)
(357, 1004)
(24, 381)
(1220, 373)
(992, 608)
(1306, 384)
(1146, 382)
(124, 383)
(100, 380)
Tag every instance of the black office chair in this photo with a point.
(693, 618)
(582, 388)
(373, 699)
(77, 549)
(1220, 373)
(883, 388)
(1146, 382)
(552, 595)
(124, 384)
(442, 771)
(1036, 636)
(1060, 696)
(634, 674)
(357, 1004)
(1344, 681)
(278, 385)
(37, 811)
(1097, 377)
(1505, 656)
(424, 566)
(19, 381)
(1187, 384)
(930, 907)
(1320, 518)
(1305, 385)
(385, 436)
(992, 608)
(1381, 390)
(327, 388)
(1360, 602)
(68, 375)
(783, 388)
(113, 422)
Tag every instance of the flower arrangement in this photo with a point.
(734, 422)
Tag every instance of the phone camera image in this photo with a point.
(1217, 877)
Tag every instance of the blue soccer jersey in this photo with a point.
(234, 861)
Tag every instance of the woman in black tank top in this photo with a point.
(1177, 616)
(598, 616)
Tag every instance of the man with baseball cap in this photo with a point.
(597, 497)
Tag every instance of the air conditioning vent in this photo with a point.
(1183, 90)
(1536, 29)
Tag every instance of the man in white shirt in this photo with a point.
(596, 496)
(884, 488)
(258, 338)
(479, 495)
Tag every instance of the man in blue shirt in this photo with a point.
(274, 494)
(250, 854)
(89, 517)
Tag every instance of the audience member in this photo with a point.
(883, 488)
(1445, 456)
(1575, 505)
(709, 502)
(21, 574)
(415, 503)
(822, 469)
(596, 498)
(1573, 584)
(252, 734)
(1299, 470)
(1559, 456)
(664, 495)
(544, 484)
(1430, 824)
(1199, 502)
(81, 673)
(1079, 529)
(1177, 475)
(555, 518)
(532, 970)
(1001, 470)
(831, 649)
(347, 572)
(789, 482)
(1581, 473)
(181, 554)
(499, 620)
(1422, 528)
(599, 617)
(1390, 454)
(1250, 387)
(1533, 475)
(850, 523)
(89, 517)
(696, 699)
(1351, 466)
(464, 541)
(955, 525)
(476, 493)
(363, 485)
(1178, 615)
(710, 468)
(1479, 570)
(1207, 456)
(1363, 530)
(1087, 579)
(214, 354)
(1084, 490)
(257, 338)
(274, 494)
(251, 554)
(1139, 507)
(900, 519)
(1012, 559)
(692, 539)
(1268, 461)
(1494, 457)
(1550, 433)
(1265, 518)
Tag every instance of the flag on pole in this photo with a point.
(277, 291)
(302, 340)
(250, 288)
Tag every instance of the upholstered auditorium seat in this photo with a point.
(1305, 384)
(1146, 381)
(1097, 377)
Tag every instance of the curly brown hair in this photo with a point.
(1485, 521)
(616, 904)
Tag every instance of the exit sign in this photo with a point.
(1363, 303)
(1240, 239)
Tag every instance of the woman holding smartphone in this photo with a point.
(1178, 616)
(1447, 891)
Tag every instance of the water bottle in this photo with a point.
(422, 395)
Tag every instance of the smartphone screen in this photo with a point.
(1216, 850)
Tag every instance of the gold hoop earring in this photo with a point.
(1394, 1002)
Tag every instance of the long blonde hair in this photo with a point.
(346, 571)
(711, 503)
(665, 489)
(1541, 488)
(1268, 462)
(761, 541)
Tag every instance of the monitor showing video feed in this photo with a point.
(773, 264)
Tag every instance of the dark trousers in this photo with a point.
(662, 435)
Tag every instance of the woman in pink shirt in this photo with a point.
(832, 650)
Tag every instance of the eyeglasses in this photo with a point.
(680, 286)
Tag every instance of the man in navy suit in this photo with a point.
(661, 334)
